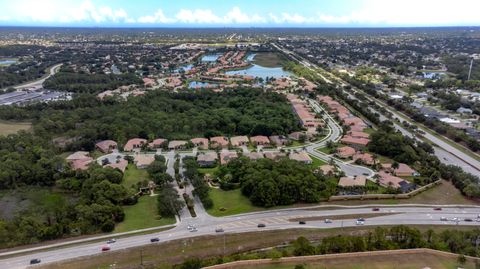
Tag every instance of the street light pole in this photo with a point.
(224, 244)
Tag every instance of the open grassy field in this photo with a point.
(442, 194)
(134, 175)
(142, 215)
(393, 261)
(233, 202)
(268, 59)
(11, 127)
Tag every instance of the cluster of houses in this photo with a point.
(307, 117)
(356, 137)
(355, 142)
(387, 177)
(209, 159)
(217, 142)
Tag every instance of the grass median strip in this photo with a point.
(342, 217)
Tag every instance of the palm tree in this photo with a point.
(395, 166)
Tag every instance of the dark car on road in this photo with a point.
(155, 239)
(468, 219)
(437, 208)
(261, 225)
(375, 209)
(219, 230)
(35, 261)
(302, 222)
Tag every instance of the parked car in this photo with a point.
(111, 241)
(261, 225)
(302, 222)
(219, 230)
(155, 239)
(35, 261)
(106, 248)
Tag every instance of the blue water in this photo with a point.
(7, 62)
(185, 68)
(210, 57)
(432, 75)
(250, 57)
(261, 72)
(199, 84)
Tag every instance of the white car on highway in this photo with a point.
(360, 221)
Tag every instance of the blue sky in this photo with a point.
(235, 13)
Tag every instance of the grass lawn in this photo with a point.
(296, 144)
(11, 127)
(391, 261)
(210, 171)
(316, 162)
(324, 150)
(233, 201)
(368, 131)
(133, 175)
(142, 215)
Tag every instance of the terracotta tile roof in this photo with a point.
(352, 182)
(345, 152)
(134, 143)
(260, 140)
(106, 146)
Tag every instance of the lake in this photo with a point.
(433, 75)
(7, 62)
(210, 57)
(199, 84)
(185, 68)
(261, 72)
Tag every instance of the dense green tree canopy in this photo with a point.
(270, 183)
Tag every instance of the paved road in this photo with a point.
(40, 81)
(335, 135)
(446, 153)
(274, 220)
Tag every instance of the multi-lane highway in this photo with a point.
(273, 220)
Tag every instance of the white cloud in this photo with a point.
(197, 16)
(409, 12)
(66, 12)
(4, 18)
(207, 16)
(237, 16)
(158, 17)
